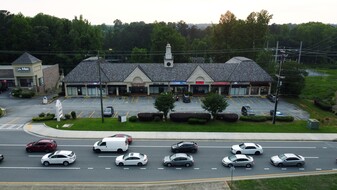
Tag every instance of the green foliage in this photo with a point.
(214, 103)
(67, 116)
(139, 55)
(43, 117)
(198, 121)
(42, 114)
(255, 118)
(294, 79)
(73, 115)
(164, 103)
(133, 118)
(1, 114)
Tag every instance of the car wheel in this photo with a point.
(97, 150)
(230, 165)
(238, 152)
(248, 166)
(46, 163)
(119, 151)
(187, 165)
(139, 164)
(169, 165)
(28, 150)
(121, 164)
(65, 163)
(279, 165)
(298, 164)
(257, 153)
(194, 151)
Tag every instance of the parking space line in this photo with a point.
(91, 114)
(13, 121)
(80, 115)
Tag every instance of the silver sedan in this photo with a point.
(287, 159)
(238, 160)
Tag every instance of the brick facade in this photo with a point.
(51, 76)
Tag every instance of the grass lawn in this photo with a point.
(112, 124)
(315, 182)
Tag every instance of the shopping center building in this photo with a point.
(238, 76)
(27, 72)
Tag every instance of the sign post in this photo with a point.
(59, 110)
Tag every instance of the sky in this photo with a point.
(190, 11)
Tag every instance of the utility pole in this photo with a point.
(276, 51)
(278, 85)
(299, 54)
(100, 85)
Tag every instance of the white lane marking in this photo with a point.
(143, 168)
(160, 168)
(125, 168)
(108, 168)
(283, 169)
(334, 168)
(35, 156)
(90, 168)
(248, 168)
(196, 168)
(107, 156)
(266, 168)
(311, 157)
(40, 168)
(178, 168)
(325, 147)
(306, 147)
(318, 169)
(214, 168)
(302, 169)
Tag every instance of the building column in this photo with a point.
(269, 88)
(148, 89)
(219, 89)
(86, 89)
(65, 90)
(189, 88)
(127, 88)
(117, 91)
(209, 88)
(250, 90)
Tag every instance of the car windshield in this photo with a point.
(173, 156)
(180, 144)
(232, 158)
(71, 154)
(242, 146)
(51, 154)
(282, 156)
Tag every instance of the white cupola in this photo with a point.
(168, 59)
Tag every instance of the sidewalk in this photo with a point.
(42, 130)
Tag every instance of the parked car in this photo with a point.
(271, 98)
(42, 145)
(247, 148)
(185, 146)
(186, 98)
(238, 160)
(108, 111)
(64, 157)
(1, 157)
(287, 159)
(179, 159)
(278, 113)
(136, 159)
(128, 137)
(247, 111)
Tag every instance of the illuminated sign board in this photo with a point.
(199, 82)
(177, 82)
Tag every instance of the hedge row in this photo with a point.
(323, 105)
(194, 121)
(262, 118)
(149, 116)
(45, 118)
(185, 116)
(229, 117)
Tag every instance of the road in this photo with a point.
(20, 166)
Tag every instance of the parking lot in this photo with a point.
(91, 107)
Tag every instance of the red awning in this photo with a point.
(221, 83)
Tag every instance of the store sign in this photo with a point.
(177, 83)
(220, 83)
(23, 69)
(199, 82)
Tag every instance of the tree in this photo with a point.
(164, 103)
(294, 78)
(139, 55)
(214, 103)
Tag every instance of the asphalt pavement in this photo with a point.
(42, 130)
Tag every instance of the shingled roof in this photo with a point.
(237, 69)
(26, 58)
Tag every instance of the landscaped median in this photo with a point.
(112, 124)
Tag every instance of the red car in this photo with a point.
(42, 145)
(128, 137)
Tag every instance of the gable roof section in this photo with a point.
(137, 72)
(237, 69)
(26, 58)
(199, 72)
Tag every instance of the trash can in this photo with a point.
(313, 124)
(45, 100)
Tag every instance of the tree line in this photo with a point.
(67, 42)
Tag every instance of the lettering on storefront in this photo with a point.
(23, 69)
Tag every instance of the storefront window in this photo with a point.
(264, 90)
(239, 90)
(254, 90)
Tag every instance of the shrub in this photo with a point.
(50, 115)
(73, 114)
(197, 121)
(323, 105)
(27, 94)
(67, 116)
(1, 114)
(185, 116)
(44, 118)
(282, 118)
(16, 92)
(145, 116)
(42, 114)
(157, 119)
(256, 118)
(62, 93)
(133, 118)
(229, 117)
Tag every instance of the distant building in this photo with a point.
(239, 76)
(27, 72)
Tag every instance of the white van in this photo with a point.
(111, 144)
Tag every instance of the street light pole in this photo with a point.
(100, 85)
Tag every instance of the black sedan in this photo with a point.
(185, 146)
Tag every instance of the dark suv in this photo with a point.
(186, 98)
(247, 111)
(42, 145)
(184, 146)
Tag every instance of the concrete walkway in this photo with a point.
(42, 130)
